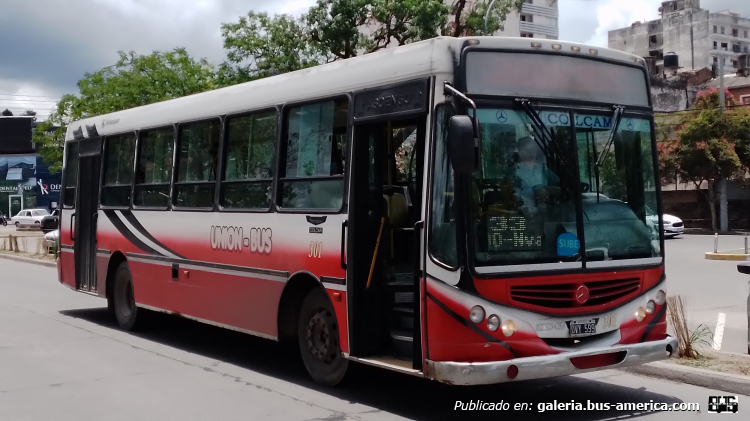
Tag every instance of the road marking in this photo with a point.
(719, 333)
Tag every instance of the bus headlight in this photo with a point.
(640, 314)
(477, 314)
(661, 297)
(493, 322)
(650, 307)
(509, 328)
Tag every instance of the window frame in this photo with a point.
(103, 168)
(175, 166)
(430, 183)
(138, 161)
(223, 149)
(64, 176)
(281, 148)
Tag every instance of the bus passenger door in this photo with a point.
(86, 212)
(382, 264)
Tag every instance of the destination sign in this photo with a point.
(562, 119)
(405, 99)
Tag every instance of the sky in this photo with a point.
(48, 45)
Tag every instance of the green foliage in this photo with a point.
(709, 146)
(468, 17)
(259, 46)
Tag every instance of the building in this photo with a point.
(537, 19)
(737, 85)
(698, 37)
(25, 179)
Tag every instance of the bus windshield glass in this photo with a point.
(544, 194)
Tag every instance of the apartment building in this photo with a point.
(537, 19)
(698, 37)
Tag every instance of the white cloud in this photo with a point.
(614, 14)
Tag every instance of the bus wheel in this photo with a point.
(124, 299)
(318, 335)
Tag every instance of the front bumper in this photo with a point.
(673, 230)
(546, 365)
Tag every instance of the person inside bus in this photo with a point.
(536, 183)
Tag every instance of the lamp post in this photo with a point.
(723, 213)
(487, 16)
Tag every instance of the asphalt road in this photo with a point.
(710, 287)
(62, 358)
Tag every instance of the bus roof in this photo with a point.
(420, 59)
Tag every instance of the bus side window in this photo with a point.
(197, 160)
(118, 170)
(154, 168)
(313, 168)
(248, 169)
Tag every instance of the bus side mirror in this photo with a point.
(463, 144)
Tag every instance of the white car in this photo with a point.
(673, 225)
(29, 217)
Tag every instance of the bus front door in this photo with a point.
(87, 201)
(384, 209)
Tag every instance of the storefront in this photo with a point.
(25, 182)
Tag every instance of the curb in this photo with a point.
(727, 256)
(727, 382)
(28, 260)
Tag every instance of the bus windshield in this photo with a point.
(543, 195)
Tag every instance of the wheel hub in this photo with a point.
(319, 340)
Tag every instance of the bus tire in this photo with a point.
(318, 335)
(124, 298)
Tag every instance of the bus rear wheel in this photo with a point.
(318, 335)
(124, 298)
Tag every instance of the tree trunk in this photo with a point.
(712, 204)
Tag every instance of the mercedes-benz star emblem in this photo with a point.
(582, 294)
(630, 124)
(501, 116)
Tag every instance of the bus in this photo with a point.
(467, 210)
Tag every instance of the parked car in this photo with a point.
(51, 221)
(673, 226)
(29, 217)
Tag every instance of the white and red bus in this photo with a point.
(470, 210)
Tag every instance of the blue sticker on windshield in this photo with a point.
(567, 244)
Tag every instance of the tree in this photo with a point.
(467, 16)
(30, 113)
(133, 81)
(710, 146)
(259, 46)
(347, 28)
(7, 113)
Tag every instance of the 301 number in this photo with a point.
(316, 249)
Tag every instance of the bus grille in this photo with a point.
(562, 295)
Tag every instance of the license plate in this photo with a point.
(581, 328)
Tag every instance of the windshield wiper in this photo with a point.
(541, 131)
(616, 118)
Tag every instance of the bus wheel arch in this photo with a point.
(295, 291)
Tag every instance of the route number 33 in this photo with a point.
(316, 249)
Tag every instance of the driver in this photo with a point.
(536, 181)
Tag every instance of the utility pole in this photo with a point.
(723, 213)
